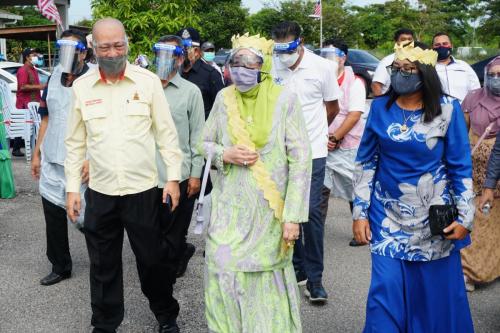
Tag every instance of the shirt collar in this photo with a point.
(305, 62)
(176, 80)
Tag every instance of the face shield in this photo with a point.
(69, 52)
(236, 59)
(332, 53)
(286, 48)
(166, 55)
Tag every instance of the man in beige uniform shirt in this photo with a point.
(120, 115)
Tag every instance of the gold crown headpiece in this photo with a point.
(412, 53)
(261, 44)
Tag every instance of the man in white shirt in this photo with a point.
(314, 79)
(381, 79)
(457, 77)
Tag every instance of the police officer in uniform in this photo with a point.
(197, 71)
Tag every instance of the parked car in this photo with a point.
(8, 71)
(478, 67)
(221, 57)
(363, 64)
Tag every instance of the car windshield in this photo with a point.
(359, 56)
(13, 70)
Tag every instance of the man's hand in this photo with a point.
(291, 232)
(361, 231)
(486, 197)
(35, 166)
(194, 185)
(85, 172)
(240, 155)
(455, 231)
(171, 188)
(73, 202)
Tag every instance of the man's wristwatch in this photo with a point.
(334, 139)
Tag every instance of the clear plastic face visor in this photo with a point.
(286, 48)
(332, 53)
(249, 60)
(490, 73)
(166, 55)
(69, 51)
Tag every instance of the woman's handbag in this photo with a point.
(440, 217)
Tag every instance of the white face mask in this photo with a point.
(288, 59)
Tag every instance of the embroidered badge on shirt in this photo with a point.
(93, 102)
(136, 96)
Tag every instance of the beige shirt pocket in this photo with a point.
(138, 118)
(95, 117)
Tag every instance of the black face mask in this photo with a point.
(443, 52)
(405, 85)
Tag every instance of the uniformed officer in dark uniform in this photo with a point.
(207, 78)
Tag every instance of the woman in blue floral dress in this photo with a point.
(414, 153)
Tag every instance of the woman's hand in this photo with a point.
(240, 155)
(291, 232)
(361, 231)
(455, 231)
(486, 197)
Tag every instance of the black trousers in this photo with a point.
(57, 237)
(106, 218)
(176, 224)
(17, 143)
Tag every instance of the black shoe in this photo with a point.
(17, 153)
(169, 328)
(316, 293)
(301, 278)
(54, 278)
(354, 243)
(184, 260)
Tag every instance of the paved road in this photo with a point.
(25, 306)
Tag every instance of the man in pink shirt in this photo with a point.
(28, 87)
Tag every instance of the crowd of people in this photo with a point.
(123, 148)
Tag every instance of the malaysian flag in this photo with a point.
(317, 10)
(48, 9)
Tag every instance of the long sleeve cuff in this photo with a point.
(196, 171)
(174, 173)
(73, 184)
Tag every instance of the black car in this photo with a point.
(363, 64)
(221, 57)
(478, 67)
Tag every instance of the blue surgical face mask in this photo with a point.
(244, 78)
(209, 56)
(405, 85)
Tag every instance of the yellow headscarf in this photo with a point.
(257, 105)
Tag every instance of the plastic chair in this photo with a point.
(18, 123)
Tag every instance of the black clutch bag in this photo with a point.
(441, 216)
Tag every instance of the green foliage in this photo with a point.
(146, 21)
(84, 23)
(220, 20)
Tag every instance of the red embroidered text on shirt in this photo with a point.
(93, 102)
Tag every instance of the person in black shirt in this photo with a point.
(195, 70)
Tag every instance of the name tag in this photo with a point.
(93, 102)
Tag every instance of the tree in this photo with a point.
(220, 20)
(85, 22)
(146, 21)
(490, 22)
(263, 21)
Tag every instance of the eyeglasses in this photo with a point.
(405, 72)
(119, 46)
(493, 75)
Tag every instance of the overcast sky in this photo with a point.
(81, 8)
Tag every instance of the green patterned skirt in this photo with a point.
(252, 302)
